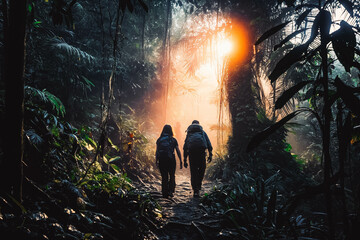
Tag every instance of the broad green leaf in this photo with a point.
(114, 159)
(271, 32)
(347, 95)
(288, 147)
(289, 37)
(288, 60)
(288, 94)
(115, 168)
(324, 22)
(92, 142)
(261, 136)
(113, 145)
(37, 23)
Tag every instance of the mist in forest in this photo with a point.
(86, 88)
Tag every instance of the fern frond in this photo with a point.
(34, 92)
(60, 44)
(55, 102)
(33, 137)
(45, 96)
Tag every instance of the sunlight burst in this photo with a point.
(225, 46)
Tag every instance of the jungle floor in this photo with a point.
(64, 211)
(184, 216)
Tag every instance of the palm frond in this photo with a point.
(59, 43)
(56, 103)
(46, 97)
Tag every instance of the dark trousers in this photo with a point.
(197, 168)
(167, 169)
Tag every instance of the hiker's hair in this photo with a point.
(195, 122)
(167, 130)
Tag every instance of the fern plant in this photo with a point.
(253, 209)
(45, 97)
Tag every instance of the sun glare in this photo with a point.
(225, 46)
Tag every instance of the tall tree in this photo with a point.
(242, 71)
(13, 75)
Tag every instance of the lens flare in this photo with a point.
(225, 46)
(241, 36)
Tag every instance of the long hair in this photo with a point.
(167, 130)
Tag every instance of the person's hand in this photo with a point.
(180, 165)
(185, 164)
(209, 159)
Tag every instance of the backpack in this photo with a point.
(165, 147)
(196, 139)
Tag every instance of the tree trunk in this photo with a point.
(14, 99)
(166, 58)
(344, 135)
(326, 138)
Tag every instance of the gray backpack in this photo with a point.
(196, 138)
(165, 147)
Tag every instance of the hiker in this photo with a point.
(165, 160)
(196, 142)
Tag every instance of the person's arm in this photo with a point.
(186, 153)
(157, 156)
(179, 155)
(209, 146)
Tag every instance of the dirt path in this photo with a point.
(184, 216)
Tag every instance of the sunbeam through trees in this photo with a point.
(180, 119)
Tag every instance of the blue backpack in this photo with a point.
(165, 147)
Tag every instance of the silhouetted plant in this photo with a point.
(326, 90)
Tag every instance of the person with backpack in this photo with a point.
(196, 143)
(165, 160)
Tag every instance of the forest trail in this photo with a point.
(184, 217)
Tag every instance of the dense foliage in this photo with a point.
(78, 119)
